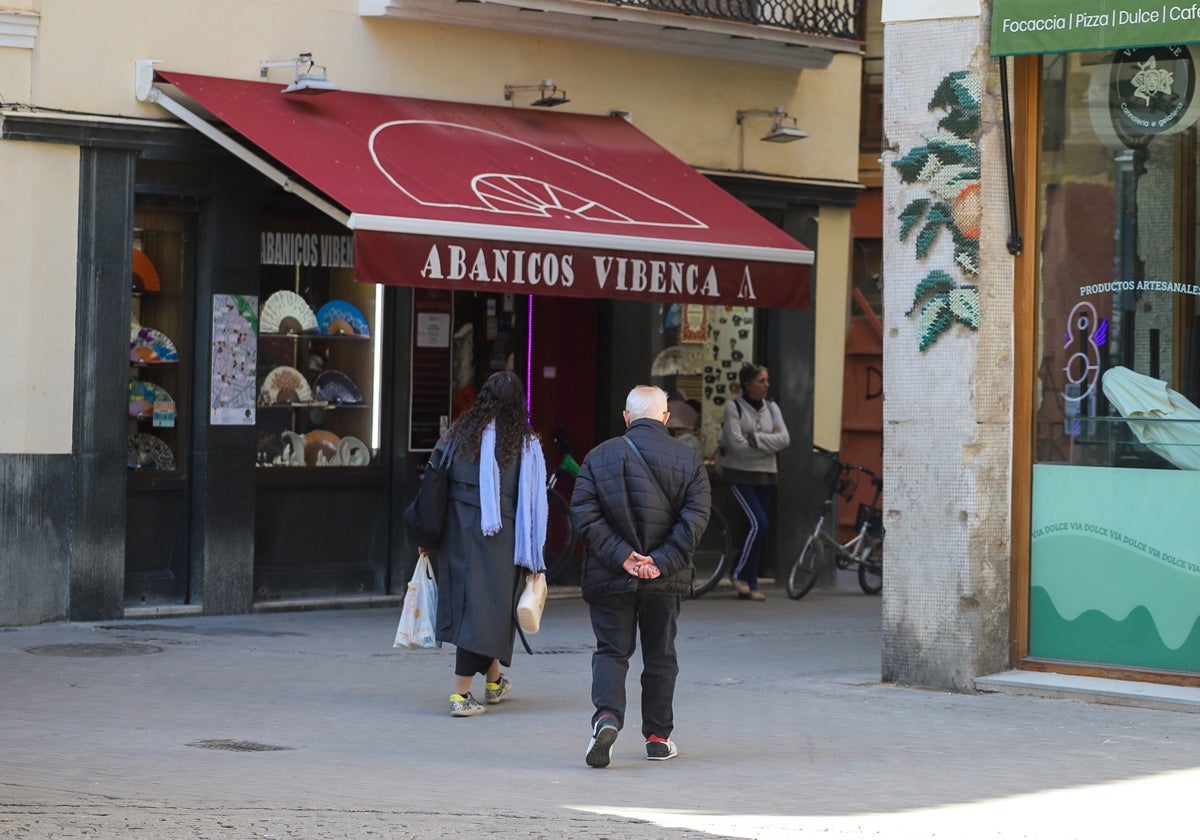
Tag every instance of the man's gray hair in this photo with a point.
(646, 401)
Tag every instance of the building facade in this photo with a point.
(234, 355)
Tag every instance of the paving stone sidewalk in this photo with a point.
(310, 725)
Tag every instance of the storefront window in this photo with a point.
(700, 350)
(162, 358)
(1114, 571)
(319, 334)
(159, 346)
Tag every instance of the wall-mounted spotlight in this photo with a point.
(783, 129)
(548, 94)
(310, 79)
(780, 131)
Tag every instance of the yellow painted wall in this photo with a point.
(689, 104)
(16, 84)
(39, 200)
(832, 317)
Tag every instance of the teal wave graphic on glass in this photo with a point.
(1094, 637)
(1081, 572)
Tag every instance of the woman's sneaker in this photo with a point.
(464, 705)
(660, 749)
(493, 693)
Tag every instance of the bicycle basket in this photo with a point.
(873, 515)
(845, 485)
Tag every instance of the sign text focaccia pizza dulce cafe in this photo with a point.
(473, 265)
(1045, 26)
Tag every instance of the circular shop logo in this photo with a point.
(1152, 89)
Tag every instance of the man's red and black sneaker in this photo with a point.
(660, 749)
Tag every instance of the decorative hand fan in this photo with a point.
(149, 347)
(284, 385)
(286, 312)
(339, 317)
(680, 360)
(293, 449)
(145, 275)
(317, 443)
(147, 452)
(143, 396)
(336, 387)
(352, 452)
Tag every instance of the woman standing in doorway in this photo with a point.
(752, 432)
(494, 534)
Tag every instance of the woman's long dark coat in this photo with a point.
(478, 583)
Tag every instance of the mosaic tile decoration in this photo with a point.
(947, 165)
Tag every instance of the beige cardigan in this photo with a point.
(748, 442)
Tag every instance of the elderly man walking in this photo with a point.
(641, 502)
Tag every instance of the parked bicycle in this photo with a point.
(559, 551)
(863, 551)
(714, 554)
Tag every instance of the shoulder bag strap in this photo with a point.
(447, 455)
(666, 498)
(653, 477)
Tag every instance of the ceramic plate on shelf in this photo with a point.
(318, 443)
(147, 452)
(284, 385)
(333, 386)
(150, 347)
(340, 317)
(286, 312)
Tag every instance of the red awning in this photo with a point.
(525, 200)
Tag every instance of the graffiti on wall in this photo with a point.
(947, 165)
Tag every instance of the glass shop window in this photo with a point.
(1118, 346)
(319, 345)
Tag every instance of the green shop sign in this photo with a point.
(1022, 27)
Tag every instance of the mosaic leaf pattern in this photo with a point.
(944, 304)
(948, 166)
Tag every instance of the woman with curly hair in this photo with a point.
(494, 534)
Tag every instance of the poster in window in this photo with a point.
(430, 357)
(232, 390)
(693, 325)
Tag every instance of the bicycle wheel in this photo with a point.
(712, 555)
(560, 540)
(870, 575)
(804, 571)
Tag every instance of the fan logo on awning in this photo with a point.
(537, 183)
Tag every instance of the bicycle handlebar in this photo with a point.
(568, 464)
(842, 466)
(560, 437)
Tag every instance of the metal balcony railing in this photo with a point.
(830, 18)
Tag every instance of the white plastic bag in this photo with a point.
(420, 609)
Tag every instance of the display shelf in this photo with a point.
(341, 364)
